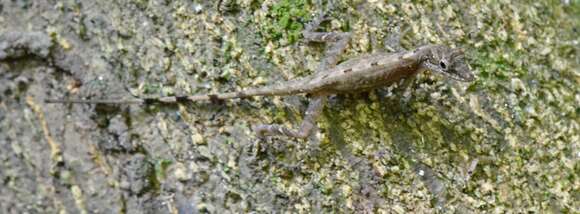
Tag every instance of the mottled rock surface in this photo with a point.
(508, 142)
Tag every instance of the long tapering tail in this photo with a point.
(169, 99)
(100, 101)
(286, 88)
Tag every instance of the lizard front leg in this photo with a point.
(314, 109)
(393, 41)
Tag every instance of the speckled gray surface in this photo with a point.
(508, 142)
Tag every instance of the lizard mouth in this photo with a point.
(464, 77)
(459, 76)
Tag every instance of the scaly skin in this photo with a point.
(358, 74)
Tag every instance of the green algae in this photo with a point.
(286, 19)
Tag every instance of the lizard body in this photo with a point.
(358, 74)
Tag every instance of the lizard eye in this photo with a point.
(443, 65)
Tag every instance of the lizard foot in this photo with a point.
(308, 124)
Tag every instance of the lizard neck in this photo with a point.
(423, 53)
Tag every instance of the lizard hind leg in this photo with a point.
(308, 123)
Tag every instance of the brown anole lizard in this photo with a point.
(358, 74)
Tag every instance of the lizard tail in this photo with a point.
(99, 101)
(282, 89)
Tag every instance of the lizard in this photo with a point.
(361, 73)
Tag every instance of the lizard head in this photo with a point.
(449, 62)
